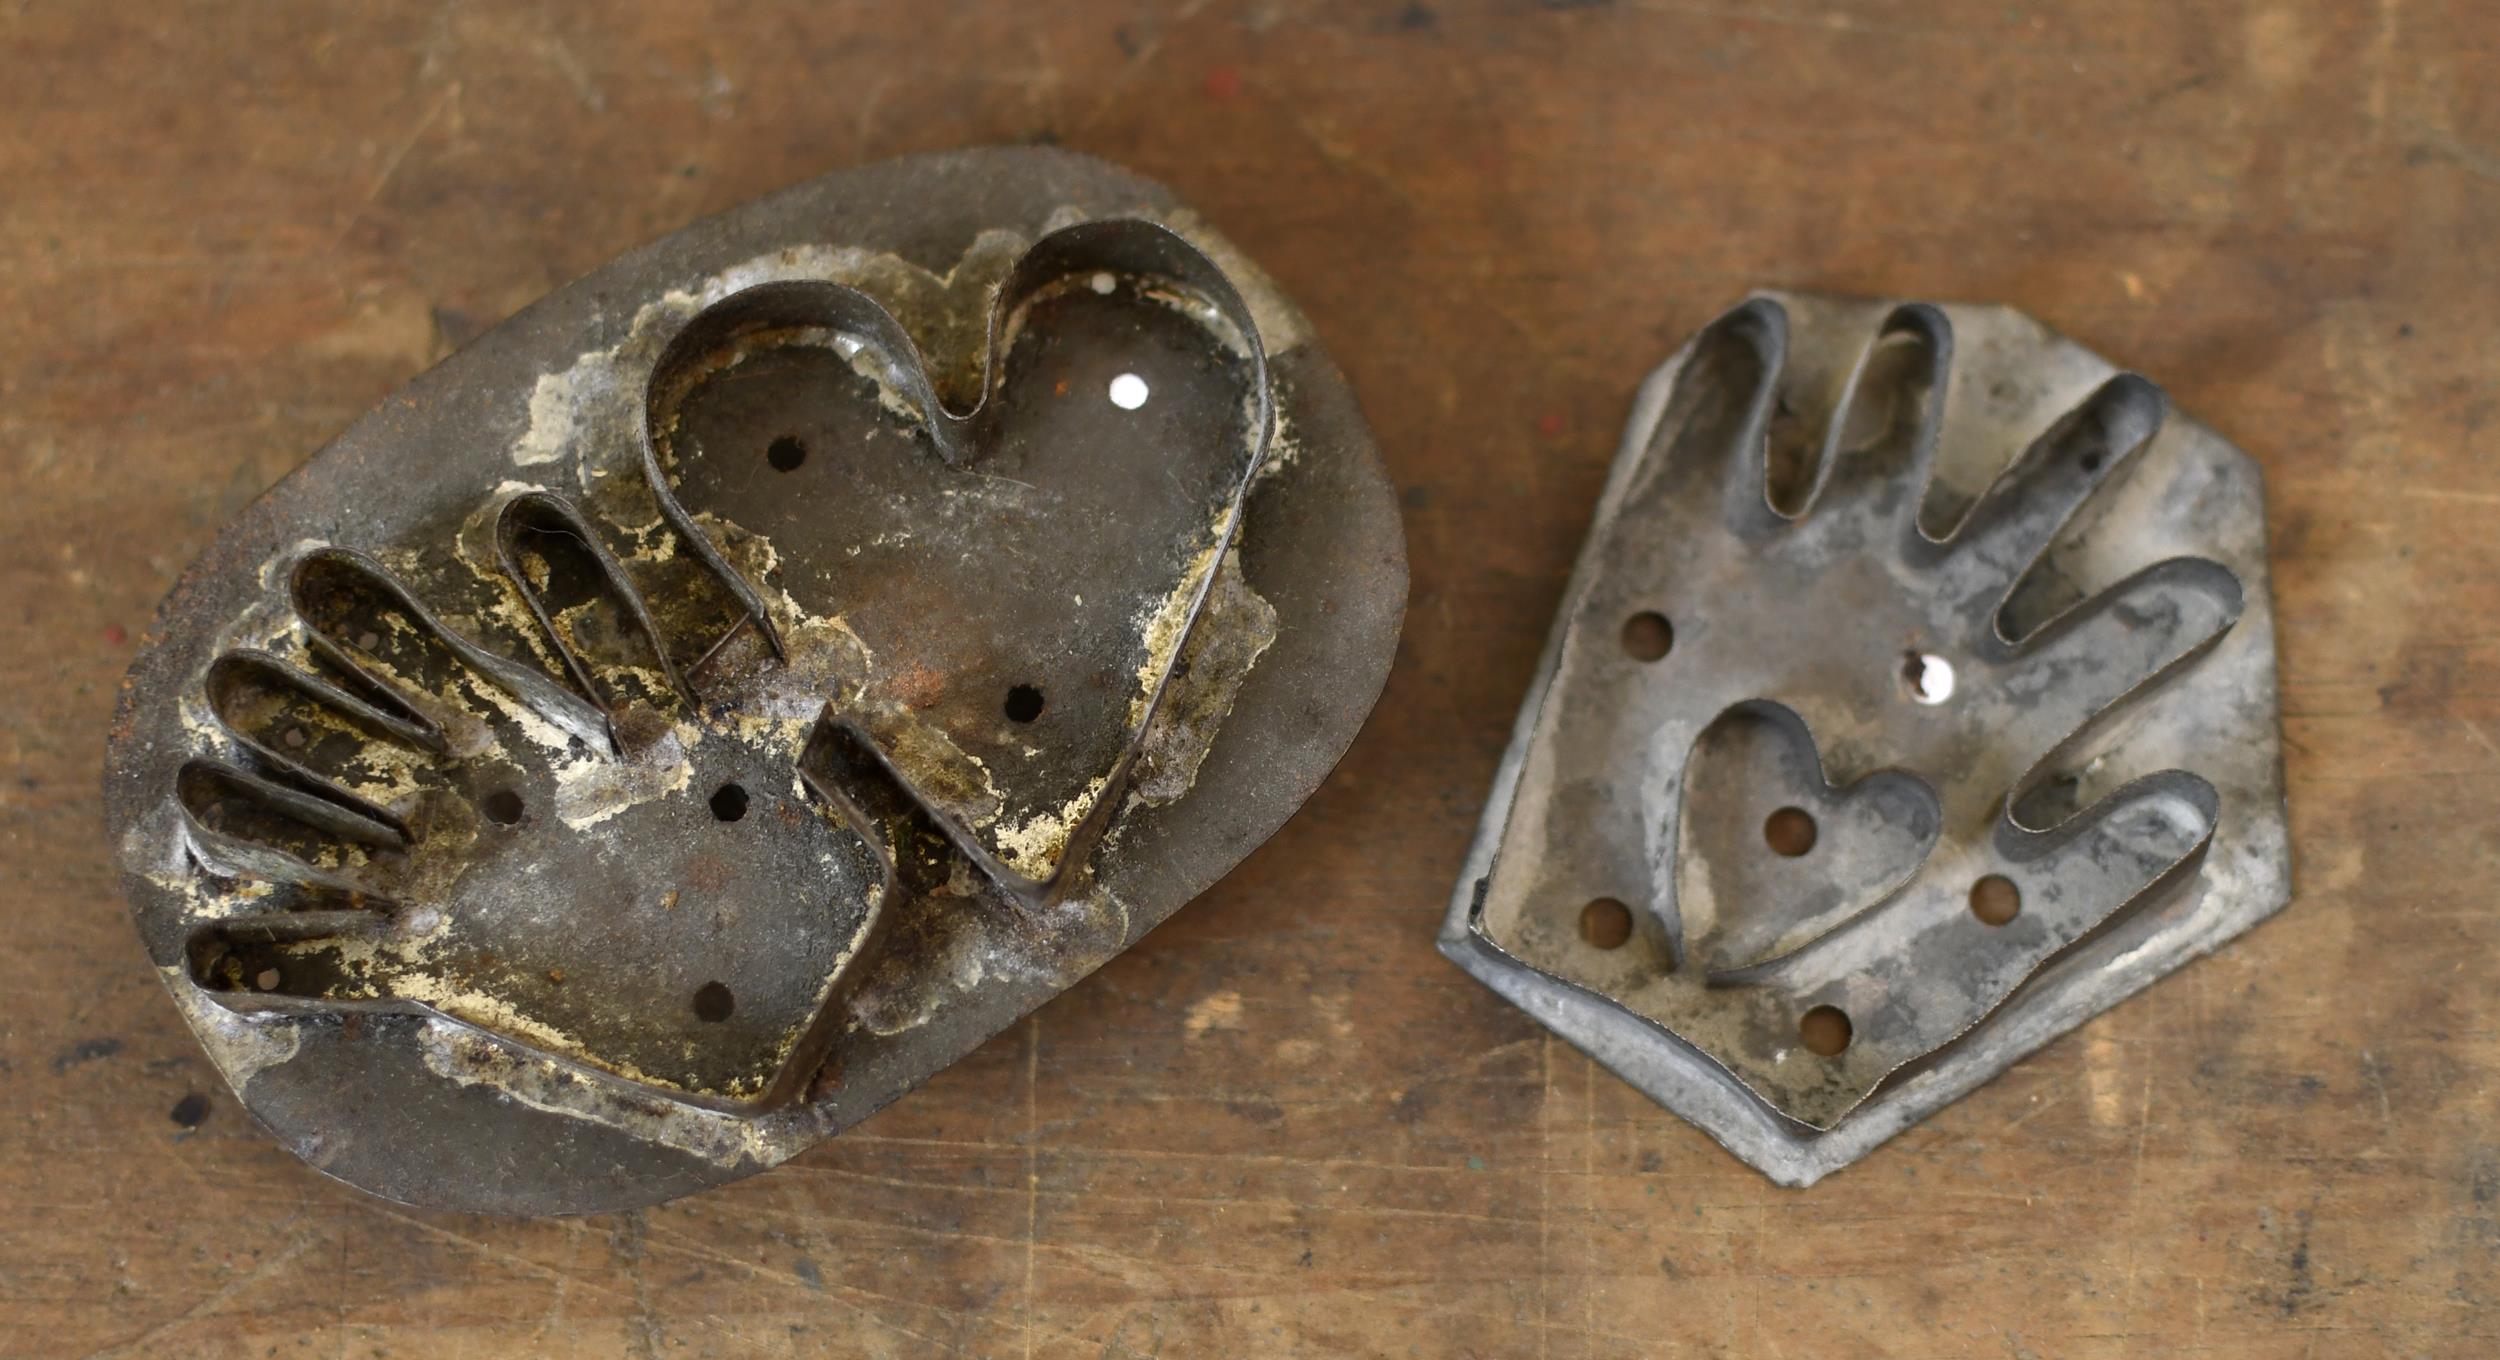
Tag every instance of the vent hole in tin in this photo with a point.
(1606, 923)
(1825, 1031)
(1995, 900)
(1647, 636)
(1789, 831)
(503, 807)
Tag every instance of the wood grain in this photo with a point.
(1284, 1126)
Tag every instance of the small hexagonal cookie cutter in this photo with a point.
(1912, 702)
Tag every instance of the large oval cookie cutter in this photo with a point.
(688, 717)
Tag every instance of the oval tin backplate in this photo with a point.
(744, 681)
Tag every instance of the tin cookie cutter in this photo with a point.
(1841, 788)
(658, 739)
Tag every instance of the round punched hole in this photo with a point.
(1789, 831)
(729, 802)
(1128, 391)
(1995, 900)
(503, 807)
(786, 453)
(1024, 704)
(267, 979)
(1606, 923)
(1103, 282)
(1825, 1031)
(1647, 636)
(1927, 677)
(294, 737)
(713, 1002)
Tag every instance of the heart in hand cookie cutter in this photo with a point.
(741, 683)
(1913, 701)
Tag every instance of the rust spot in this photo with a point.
(637, 726)
(708, 873)
(827, 1080)
(919, 687)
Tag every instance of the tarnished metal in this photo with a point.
(739, 684)
(1846, 782)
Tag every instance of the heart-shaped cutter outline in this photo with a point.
(1132, 246)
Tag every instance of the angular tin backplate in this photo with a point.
(1912, 702)
(744, 681)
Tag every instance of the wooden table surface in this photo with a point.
(1283, 1125)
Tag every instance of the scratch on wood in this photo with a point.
(1032, 1164)
(153, 1341)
